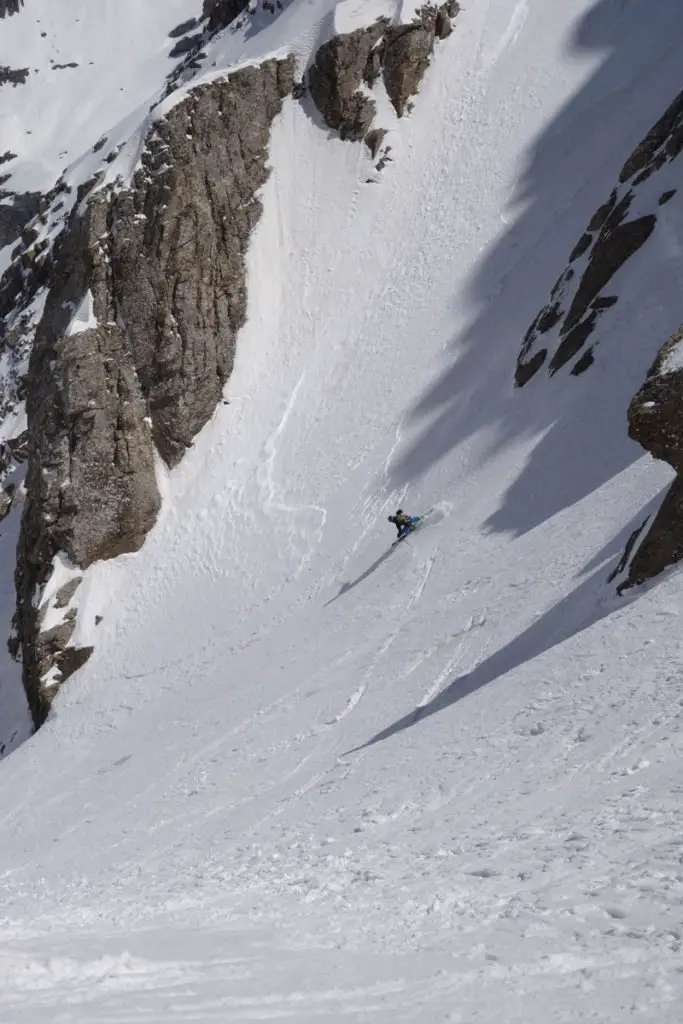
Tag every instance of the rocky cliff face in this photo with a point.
(136, 343)
(193, 206)
(347, 67)
(407, 51)
(16, 210)
(335, 79)
(655, 419)
(9, 7)
(132, 345)
(559, 334)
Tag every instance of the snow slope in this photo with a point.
(308, 776)
(90, 66)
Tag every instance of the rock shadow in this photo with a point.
(587, 604)
(581, 419)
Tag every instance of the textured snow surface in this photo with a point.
(306, 776)
(120, 49)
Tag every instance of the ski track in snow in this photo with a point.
(305, 775)
(489, 55)
(415, 596)
(447, 673)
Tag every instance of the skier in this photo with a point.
(403, 523)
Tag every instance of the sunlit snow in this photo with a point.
(308, 776)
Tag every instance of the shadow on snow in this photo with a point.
(346, 587)
(566, 177)
(587, 604)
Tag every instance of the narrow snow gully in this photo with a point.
(308, 774)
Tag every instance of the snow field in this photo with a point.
(308, 776)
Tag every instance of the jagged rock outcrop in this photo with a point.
(561, 330)
(19, 314)
(137, 341)
(9, 7)
(335, 79)
(13, 452)
(655, 419)
(15, 213)
(662, 144)
(216, 16)
(408, 50)
(220, 13)
(13, 76)
(374, 140)
(193, 206)
(91, 479)
(91, 482)
(399, 54)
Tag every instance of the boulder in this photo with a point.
(335, 78)
(655, 419)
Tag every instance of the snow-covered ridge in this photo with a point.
(119, 77)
